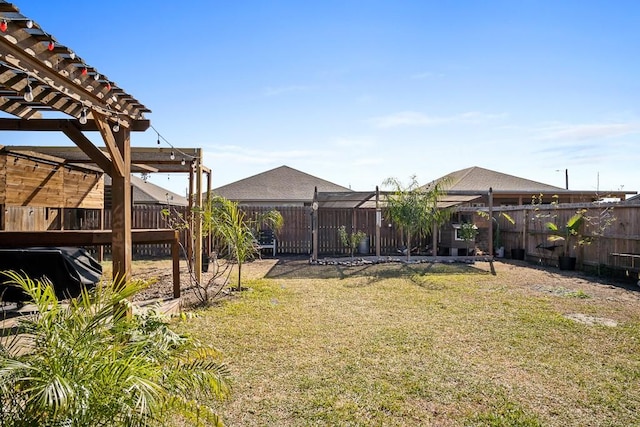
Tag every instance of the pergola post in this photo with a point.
(121, 246)
(378, 221)
(197, 220)
(314, 225)
(493, 270)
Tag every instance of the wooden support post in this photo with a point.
(378, 221)
(197, 220)
(189, 217)
(175, 256)
(491, 222)
(208, 202)
(493, 270)
(121, 246)
(314, 224)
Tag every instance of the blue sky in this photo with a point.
(357, 91)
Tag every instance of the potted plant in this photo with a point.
(569, 234)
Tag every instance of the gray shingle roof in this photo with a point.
(147, 193)
(280, 184)
(479, 179)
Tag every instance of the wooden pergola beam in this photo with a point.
(57, 125)
(97, 155)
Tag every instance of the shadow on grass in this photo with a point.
(301, 269)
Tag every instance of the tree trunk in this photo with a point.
(408, 246)
(239, 275)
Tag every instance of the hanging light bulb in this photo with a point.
(96, 76)
(72, 55)
(83, 116)
(116, 127)
(29, 23)
(108, 86)
(28, 93)
(51, 45)
(158, 139)
(3, 25)
(84, 71)
(182, 162)
(172, 156)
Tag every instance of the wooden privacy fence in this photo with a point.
(149, 217)
(612, 228)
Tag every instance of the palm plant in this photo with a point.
(88, 363)
(225, 220)
(415, 209)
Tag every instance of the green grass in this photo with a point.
(446, 345)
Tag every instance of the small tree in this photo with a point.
(415, 209)
(350, 240)
(468, 233)
(225, 220)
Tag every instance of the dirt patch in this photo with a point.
(591, 320)
(532, 278)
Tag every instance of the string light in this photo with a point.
(28, 93)
(174, 150)
(96, 76)
(29, 24)
(51, 45)
(116, 127)
(84, 71)
(3, 25)
(83, 116)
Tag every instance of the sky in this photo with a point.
(355, 92)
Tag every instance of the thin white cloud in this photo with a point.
(413, 118)
(255, 156)
(351, 142)
(580, 132)
(426, 75)
(279, 90)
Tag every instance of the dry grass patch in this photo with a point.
(406, 345)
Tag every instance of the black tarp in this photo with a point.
(68, 269)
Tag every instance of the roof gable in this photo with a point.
(145, 192)
(280, 184)
(479, 179)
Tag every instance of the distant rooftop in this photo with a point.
(280, 184)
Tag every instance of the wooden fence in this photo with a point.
(149, 217)
(617, 246)
(612, 229)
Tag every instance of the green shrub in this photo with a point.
(89, 362)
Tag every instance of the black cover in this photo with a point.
(68, 269)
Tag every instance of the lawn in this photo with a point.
(445, 345)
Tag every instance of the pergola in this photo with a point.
(376, 200)
(38, 74)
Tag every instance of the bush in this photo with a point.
(91, 363)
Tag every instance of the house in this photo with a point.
(509, 190)
(147, 193)
(279, 187)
